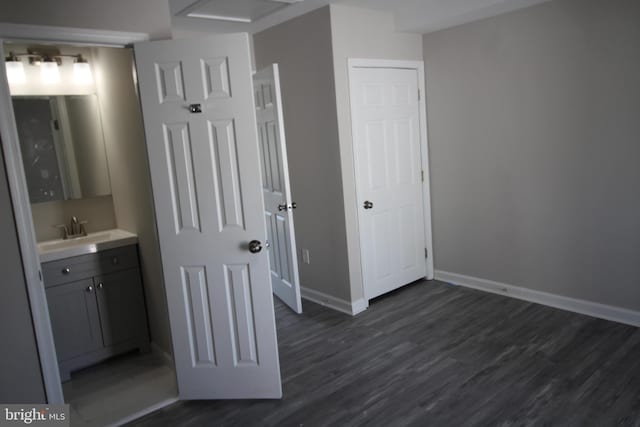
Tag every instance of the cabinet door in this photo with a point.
(74, 318)
(121, 306)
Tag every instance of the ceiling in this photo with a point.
(419, 16)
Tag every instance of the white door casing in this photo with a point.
(389, 177)
(278, 204)
(205, 171)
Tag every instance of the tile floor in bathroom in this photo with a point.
(112, 392)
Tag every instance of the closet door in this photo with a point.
(389, 176)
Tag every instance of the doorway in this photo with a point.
(110, 362)
(391, 170)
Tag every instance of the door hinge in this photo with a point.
(40, 274)
(418, 94)
(422, 175)
(56, 125)
(426, 253)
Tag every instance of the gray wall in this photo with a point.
(142, 16)
(302, 48)
(534, 133)
(20, 375)
(370, 34)
(130, 179)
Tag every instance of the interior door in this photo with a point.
(278, 204)
(385, 114)
(205, 168)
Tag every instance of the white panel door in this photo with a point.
(386, 139)
(278, 204)
(205, 168)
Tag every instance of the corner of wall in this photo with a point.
(374, 37)
(302, 47)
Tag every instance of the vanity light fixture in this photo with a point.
(49, 71)
(15, 69)
(82, 71)
(49, 62)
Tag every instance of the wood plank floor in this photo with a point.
(435, 354)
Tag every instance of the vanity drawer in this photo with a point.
(84, 266)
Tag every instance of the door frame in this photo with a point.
(418, 66)
(18, 185)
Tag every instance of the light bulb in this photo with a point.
(82, 73)
(49, 72)
(15, 72)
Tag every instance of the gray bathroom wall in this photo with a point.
(130, 179)
(98, 210)
(534, 133)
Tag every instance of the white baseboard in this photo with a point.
(358, 306)
(158, 351)
(338, 304)
(602, 311)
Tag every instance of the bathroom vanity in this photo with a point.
(95, 298)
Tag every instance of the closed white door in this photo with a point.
(278, 204)
(203, 151)
(389, 177)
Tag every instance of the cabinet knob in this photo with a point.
(100, 285)
(66, 270)
(89, 288)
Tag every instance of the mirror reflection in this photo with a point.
(63, 147)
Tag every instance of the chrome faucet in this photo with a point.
(77, 229)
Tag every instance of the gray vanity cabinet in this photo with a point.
(74, 318)
(119, 300)
(96, 305)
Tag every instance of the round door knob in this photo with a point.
(368, 205)
(294, 205)
(100, 285)
(282, 207)
(66, 270)
(89, 288)
(255, 246)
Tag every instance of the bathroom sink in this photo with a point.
(52, 250)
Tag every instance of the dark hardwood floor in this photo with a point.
(432, 354)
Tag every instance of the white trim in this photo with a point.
(589, 308)
(145, 411)
(159, 352)
(27, 239)
(358, 306)
(353, 63)
(84, 36)
(334, 303)
(20, 194)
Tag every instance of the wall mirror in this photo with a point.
(63, 147)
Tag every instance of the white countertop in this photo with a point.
(53, 250)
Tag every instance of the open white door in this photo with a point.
(203, 151)
(389, 177)
(278, 204)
